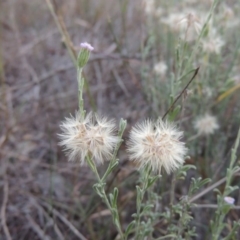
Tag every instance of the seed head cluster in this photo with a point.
(206, 124)
(157, 144)
(91, 135)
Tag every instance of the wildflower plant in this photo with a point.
(93, 139)
(156, 147)
(172, 68)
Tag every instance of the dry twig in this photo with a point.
(64, 220)
(35, 227)
(51, 221)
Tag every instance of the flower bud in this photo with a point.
(84, 54)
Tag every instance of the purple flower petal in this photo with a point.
(87, 46)
(229, 200)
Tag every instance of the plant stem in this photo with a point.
(80, 91)
(140, 195)
(103, 195)
(172, 197)
(69, 45)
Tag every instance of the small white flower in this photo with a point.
(87, 46)
(91, 135)
(229, 200)
(157, 144)
(160, 68)
(206, 125)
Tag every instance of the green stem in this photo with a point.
(80, 91)
(220, 213)
(196, 46)
(172, 197)
(113, 162)
(145, 175)
(70, 48)
(104, 197)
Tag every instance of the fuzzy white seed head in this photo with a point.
(206, 125)
(157, 144)
(188, 23)
(91, 135)
(160, 68)
(191, 20)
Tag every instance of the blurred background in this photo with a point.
(130, 75)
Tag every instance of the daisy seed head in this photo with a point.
(93, 135)
(157, 144)
(206, 124)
